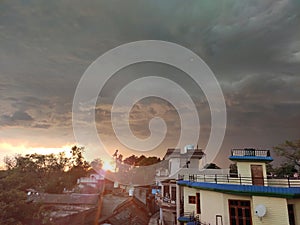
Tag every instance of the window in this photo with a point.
(291, 214)
(173, 191)
(198, 203)
(166, 191)
(192, 199)
(240, 212)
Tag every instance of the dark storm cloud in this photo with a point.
(252, 46)
(34, 112)
(19, 118)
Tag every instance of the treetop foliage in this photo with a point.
(45, 173)
(289, 150)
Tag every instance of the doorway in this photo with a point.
(257, 175)
(198, 207)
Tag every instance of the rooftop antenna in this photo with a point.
(187, 164)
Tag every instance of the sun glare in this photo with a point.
(7, 149)
(108, 166)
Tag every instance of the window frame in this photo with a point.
(190, 198)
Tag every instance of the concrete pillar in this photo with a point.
(177, 203)
(161, 216)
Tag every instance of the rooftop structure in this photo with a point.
(182, 162)
(249, 197)
(250, 154)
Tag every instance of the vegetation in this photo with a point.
(135, 170)
(211, 166)
(284, 170)
(290, 150)
(141, 161)
(44, 173)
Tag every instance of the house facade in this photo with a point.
(170, 197)
(165, 179)
(249, 197)
(94, 182)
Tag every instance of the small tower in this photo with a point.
(187, 158)
(251, 164)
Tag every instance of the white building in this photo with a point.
(94, 181)
(182, 162)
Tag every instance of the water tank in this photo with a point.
(188, 147)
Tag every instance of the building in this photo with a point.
(130, 211)
(60, 209)
(77, 206)
(169, 197)
(249, 197)
(94, 182)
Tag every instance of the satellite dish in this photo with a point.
(260, 210)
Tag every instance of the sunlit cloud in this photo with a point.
(8, 149)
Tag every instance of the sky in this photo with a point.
(252, 47)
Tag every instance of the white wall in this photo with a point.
(175, 165)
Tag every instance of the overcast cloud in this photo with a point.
(252, 46)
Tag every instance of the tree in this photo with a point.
(97, 164)
(147, 161)
(77, 157)
(14, 209)
(45, 173)
(134, 169)
(131, 160)
(211, 166)
(141, 161)
(289, 150)
(285, 170)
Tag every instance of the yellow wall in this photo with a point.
(189, 192)
(212, 204)
(228, 197)
(276, 214)
(296, 203)
(244, 169)
(215, 203)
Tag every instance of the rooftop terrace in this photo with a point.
(250, 154)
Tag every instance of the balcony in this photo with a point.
(250, 154)
(186, 217)
(86, 180)
(239, 180)
(166, 203)
(190, 219)
(273, 187)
